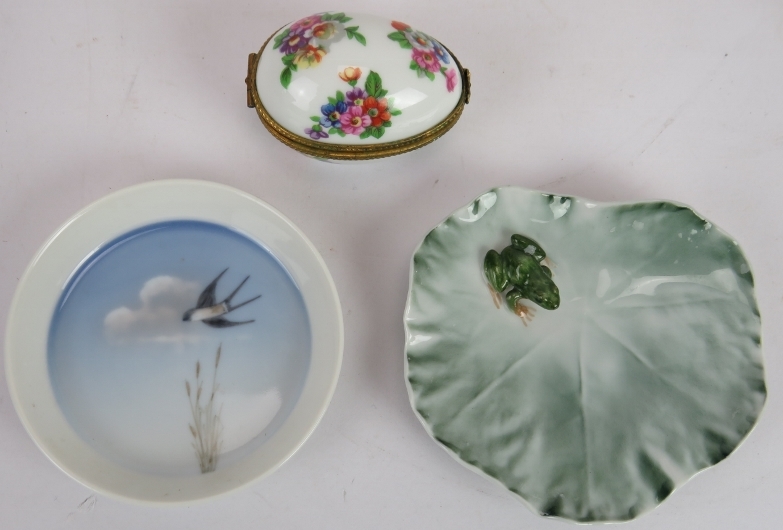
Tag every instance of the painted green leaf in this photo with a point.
(443, 70)
(293, 68)
(316, 119)
(331, 100)
(414, 66)
(340, 96)
(340, 132)
(382, 93)
(398, 36)
(365, 134)
(279, 38)
(345, 19)
(327, 17)
(333, 130)
(316, 127)
(360, 38)
(395, 112)
(387, 124)
(377, 132)
(373, 84)
(429, 75)
(649, 371)
(352, 82)
(338, 16)
(285, 77)
(288, 60)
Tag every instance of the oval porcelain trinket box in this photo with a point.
(355, 87)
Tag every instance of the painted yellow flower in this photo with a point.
(309, 56)
(350, 74)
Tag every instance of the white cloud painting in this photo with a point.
(164, 299)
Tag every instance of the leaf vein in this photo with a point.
(496, 381)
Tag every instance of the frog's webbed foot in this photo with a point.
(496, 296)
(524, 312)
(514, 302)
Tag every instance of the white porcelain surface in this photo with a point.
(616, 101)
(422, 100)
(107, 399)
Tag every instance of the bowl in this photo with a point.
(173, 341)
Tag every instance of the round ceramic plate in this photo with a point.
(173, 341)
(645, 368)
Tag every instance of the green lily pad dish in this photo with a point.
(649, 371)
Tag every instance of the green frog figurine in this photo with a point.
(520, 267)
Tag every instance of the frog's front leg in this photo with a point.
(514, 302)
(495, 273)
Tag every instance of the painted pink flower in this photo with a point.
(451, 80)
(302, 25)
(355, 120)
(426, 60)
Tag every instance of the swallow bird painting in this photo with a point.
(211, 312)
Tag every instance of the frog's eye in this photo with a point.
(528, 246)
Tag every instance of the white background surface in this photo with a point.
(612, 100)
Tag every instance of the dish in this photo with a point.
(647, 370)
(173, 341)
(353, 87)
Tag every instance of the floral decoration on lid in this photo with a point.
(428, 57)
(305, 43)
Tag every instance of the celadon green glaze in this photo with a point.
(649, 371)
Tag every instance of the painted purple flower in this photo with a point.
(356, 96)
(451, 79)
(293, 42)
(426, 60)
(304, 24)
(316, 134)
(355, 120)
(331, 114)
(440, 52)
